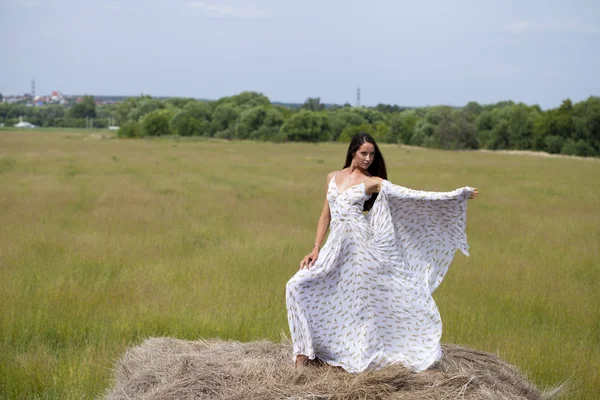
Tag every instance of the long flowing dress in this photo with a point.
(366, 302)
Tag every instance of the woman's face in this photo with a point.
(364, 155)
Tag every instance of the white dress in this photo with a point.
(367, 301)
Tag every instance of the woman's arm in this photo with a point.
(324, 220)
(373, 185)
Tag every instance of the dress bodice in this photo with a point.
(346, 205)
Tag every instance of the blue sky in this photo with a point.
(399, 52)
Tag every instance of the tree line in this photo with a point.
(572, 129)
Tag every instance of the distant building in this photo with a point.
(57, 98)
(23, 124)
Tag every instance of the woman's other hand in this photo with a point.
(473, 194)
(310, 259)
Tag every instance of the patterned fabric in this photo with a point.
(367, 301)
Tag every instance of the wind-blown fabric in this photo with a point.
(367, 301)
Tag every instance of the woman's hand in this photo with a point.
(474, 194)
(309, 260)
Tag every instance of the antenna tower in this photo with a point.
(358, 97)
(33, 87)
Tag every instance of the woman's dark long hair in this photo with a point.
(377, 167)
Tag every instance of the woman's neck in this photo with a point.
(353, 168)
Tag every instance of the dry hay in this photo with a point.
(166, 368)
(100, 136)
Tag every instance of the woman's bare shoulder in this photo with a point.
(331, 174)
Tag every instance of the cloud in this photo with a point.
(223, 10)
(517, 27)
(112, 6)
(561, 27)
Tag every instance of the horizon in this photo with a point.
(279, 102)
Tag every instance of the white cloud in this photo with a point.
(112, 6)
(538, 27)
(223, 10)
(517, 27)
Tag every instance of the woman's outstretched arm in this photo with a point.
(324, 220)
(373, 185)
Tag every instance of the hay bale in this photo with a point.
(100, 136)
(166, 368)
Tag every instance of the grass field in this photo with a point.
(106, 242)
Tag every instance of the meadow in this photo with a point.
(106, 242)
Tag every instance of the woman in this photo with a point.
(364, 299)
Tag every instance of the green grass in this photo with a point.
(106, 242)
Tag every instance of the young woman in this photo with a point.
(364, 299)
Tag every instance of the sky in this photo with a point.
(410, 53)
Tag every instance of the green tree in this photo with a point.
(423, 130)
(105, 111)
(434, 115)
(467, 131)
(306, 126)
(447, 128)
(156, 123)
(184, 124)
(383, 133)
(370, 115)
(586, 122)
(286, 112)
(129, 129)
(485, 121)
(313, 104)
(500, 136)
(473, 108)
(553, 144)
(341, 119)
(403, 125)
(522, 126)
(577, 148)
(84, 109)
(389, 109)
(271, 125)
(51, 114)
(144, 106)
(351, 130)
(511, 126)
(556, 122)
(199, 110)
(224, 119)
(123, 109)
(178, 102)
(249, 123)
(445, 134)
(245, 100)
